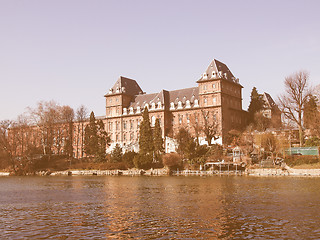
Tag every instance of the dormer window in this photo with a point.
(159, 105)
(146, 106)
(188, 104)
(124, 111)
(179, 104)
(172, 105)
(131, 110)
(196, 103)
(138, 109)
(153, 106)
(205, 76)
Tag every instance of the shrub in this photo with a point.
(301, 159)
(172, 161)
(143, 161)
(128, 157)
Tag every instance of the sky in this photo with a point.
(73, 51)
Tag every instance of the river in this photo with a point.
(227, 207)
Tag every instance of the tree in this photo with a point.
(296, 95)
(256, 104)
(210, 127)
(96, 139)
(103, 141)
(311, 116)
(90, 138)
(146, 147)
(67, 117)
(8, 143)
(46, 117)
(81, 116)
(116, 154)
(145, 137)
(157, 140)
(128, 157)
(186, 144)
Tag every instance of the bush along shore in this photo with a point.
(256, 172)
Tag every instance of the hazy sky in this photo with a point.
(74, 51)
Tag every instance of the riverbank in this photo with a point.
(257, 172)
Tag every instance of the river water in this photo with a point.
(227, 207)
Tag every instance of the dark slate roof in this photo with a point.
(127, 86)
(184, 94)
(221, 71)
(165, 97)
(269, 102)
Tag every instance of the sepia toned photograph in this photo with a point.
(181, 119)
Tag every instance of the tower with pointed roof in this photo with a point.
(220, 92)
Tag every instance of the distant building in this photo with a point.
(217, 98)
(271, 110)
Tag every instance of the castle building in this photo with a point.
(215, 101)
(271, 110)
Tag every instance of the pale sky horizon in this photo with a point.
(73, 51)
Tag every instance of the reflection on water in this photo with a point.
(159, 207)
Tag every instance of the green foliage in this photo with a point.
(233, 137)
(256, 104)
(200, 156)
(90, 136)
(143, 161)
(145, 138)
(96, 139)
(172, 160)
(190, 149)
(300, 160)
(116, 155)
(215, 152)
(312, 142)
(157, 140)
(186, 144)
(128, 157)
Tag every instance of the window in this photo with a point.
(180, 118)
(131, 124)
(214, 101)
(125, 125)
(131, 136)
(117, 125)
(110, 126)
(205, 101)
(188, 119)
(204, 87)
(110, 100)
(153, 121)
(124, 137)
(213, 86)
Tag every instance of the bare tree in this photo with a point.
(45, 117)
(196, 126)
(292, 102)
(210, 126)
(81, 117)
(8, 144)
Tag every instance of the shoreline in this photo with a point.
(257, 172)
